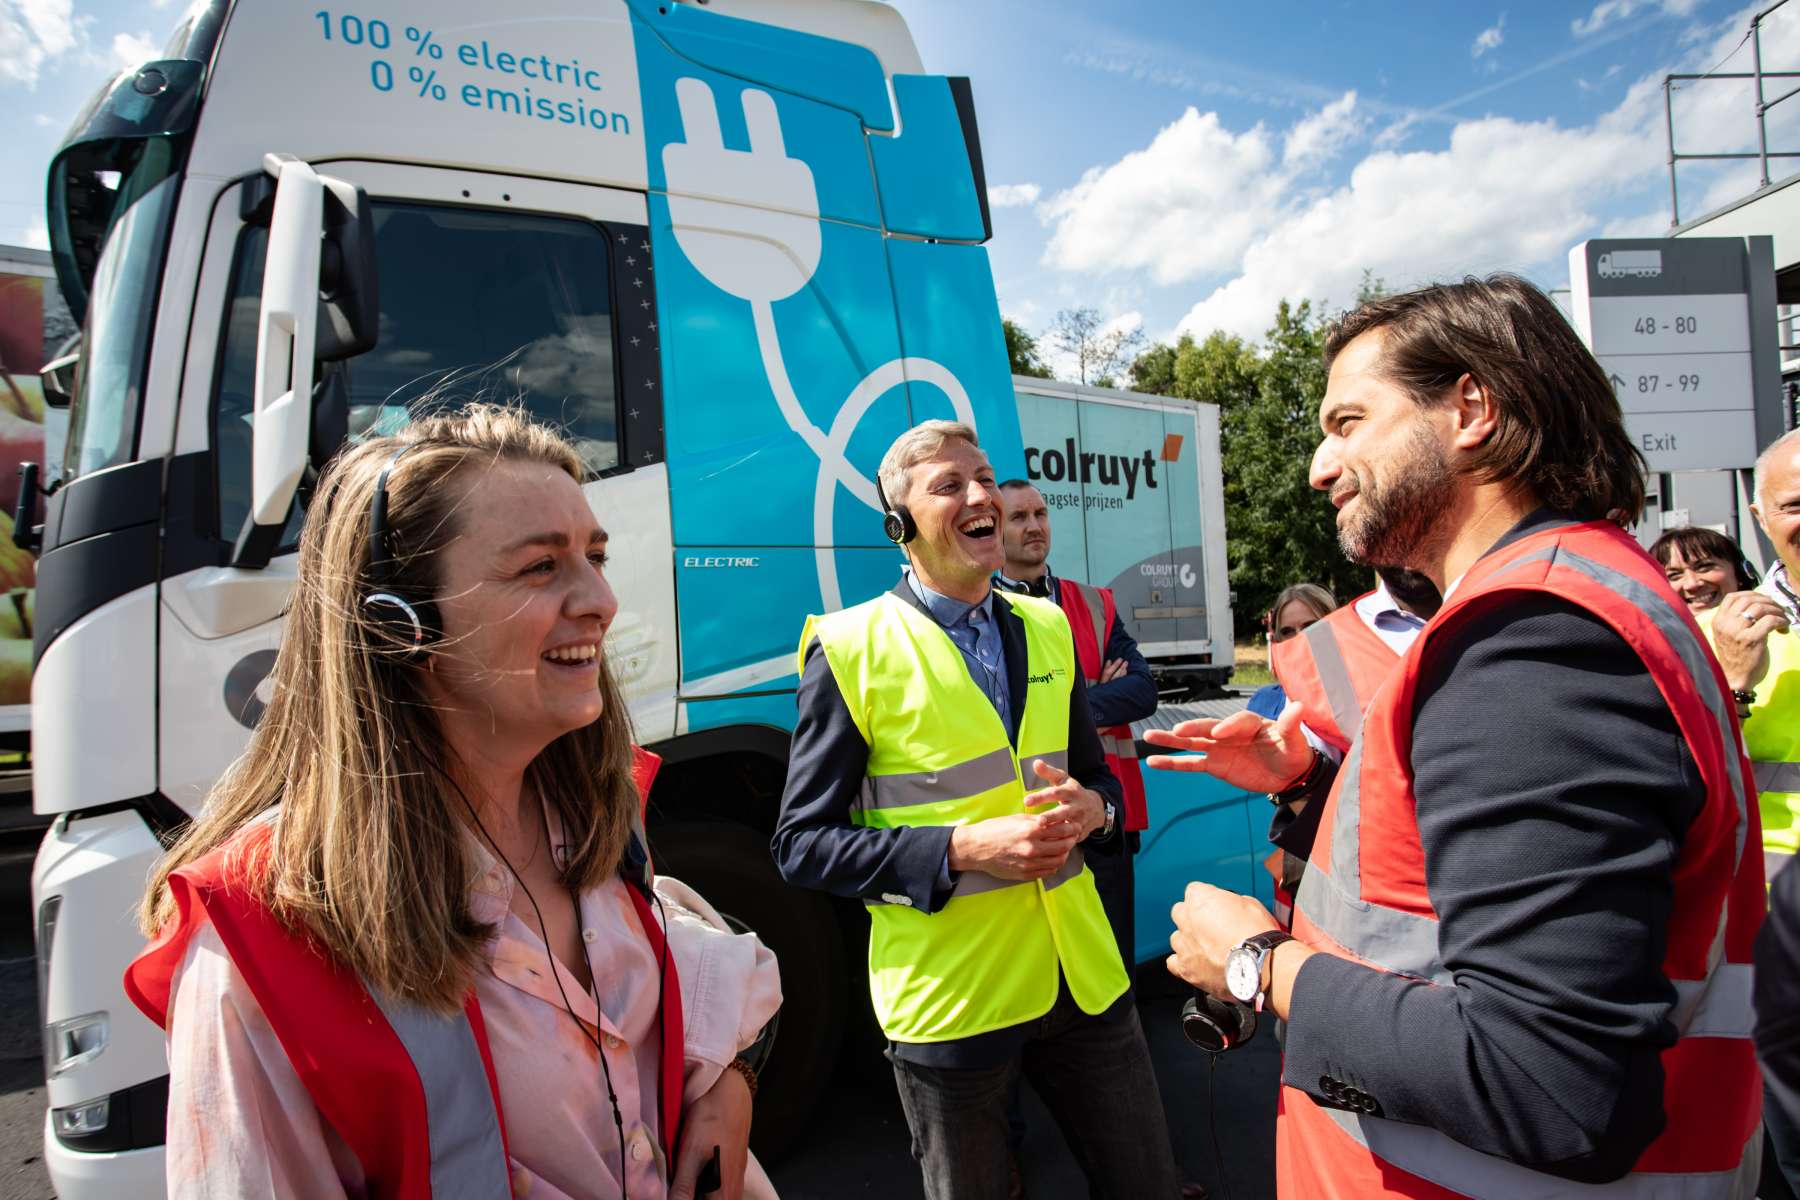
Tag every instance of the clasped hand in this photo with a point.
(1741, 627)
(1030, 845)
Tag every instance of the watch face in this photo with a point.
(1242, 975)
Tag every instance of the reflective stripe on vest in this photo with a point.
(1710, 1073)
(468, 1154)
(939, 755)
(1448, 1163)
(1333, 670)
(1334, 675)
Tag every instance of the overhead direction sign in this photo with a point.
(1671, 322)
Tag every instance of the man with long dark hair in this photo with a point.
(1521, 947)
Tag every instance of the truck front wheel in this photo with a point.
(729, 864)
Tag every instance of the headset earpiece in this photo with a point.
(898, 524)
(1217, 1025)
(408, 624)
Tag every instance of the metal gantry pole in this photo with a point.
(1669, 120)
(1762, 122)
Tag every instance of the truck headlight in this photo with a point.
(82, 1120)
(72, 1042)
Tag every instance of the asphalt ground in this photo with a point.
(859, 1146)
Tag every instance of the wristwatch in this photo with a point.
(1112, 816)
(1244, 966)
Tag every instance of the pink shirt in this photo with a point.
(225, 1061)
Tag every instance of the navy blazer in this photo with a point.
(816, 846)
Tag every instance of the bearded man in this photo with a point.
(1520, 953)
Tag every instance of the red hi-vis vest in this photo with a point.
(1333, 669)
(412, 1092)
(1365, 897)
(1090, 611)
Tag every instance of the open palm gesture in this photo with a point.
(1244, 750)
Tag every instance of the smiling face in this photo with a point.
(1777, 506)
(1383, 460)
(1025, 535)
(525, 605)
(1700, 581)
(957, 508)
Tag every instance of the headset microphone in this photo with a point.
(898, 524)
(1217, 1025)
(409, 624)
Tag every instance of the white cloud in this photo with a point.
(1242, 213)
(1489, 39)
(1318, 137)
(1503, 194)
(1013, 195)
(1609, 12)
(43, 120)
(1593, 85)
(1189, 203)
(132, 49)
(36, 235)
(32, 33)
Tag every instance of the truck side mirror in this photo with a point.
(318, 304)
(57, 377)
(349, 303)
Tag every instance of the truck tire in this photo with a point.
(729, 864)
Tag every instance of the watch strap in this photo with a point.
(1264, 944)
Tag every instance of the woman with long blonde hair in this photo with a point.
(413, 946)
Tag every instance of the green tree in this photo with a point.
(1279, 530)
(1022, 351)
(1153, 371)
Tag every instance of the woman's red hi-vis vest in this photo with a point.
(1090, 611)
(412, 1092)
(1365, 897)
(1333, 669)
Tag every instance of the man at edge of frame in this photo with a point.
(1522, 944)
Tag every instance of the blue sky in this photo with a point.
(1185, 164)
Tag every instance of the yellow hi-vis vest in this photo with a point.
(939, 755)
(1772, 738)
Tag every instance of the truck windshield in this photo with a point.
(500, 306)
(116, 348)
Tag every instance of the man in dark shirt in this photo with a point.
(990, 952)
(1522, 794)
(1121, 692)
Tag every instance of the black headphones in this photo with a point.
(898, 524)
(1217, 1025)
(409, 624)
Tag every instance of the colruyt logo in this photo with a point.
(1066, 464)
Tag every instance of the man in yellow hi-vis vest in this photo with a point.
(1757, 638)
(946, 771)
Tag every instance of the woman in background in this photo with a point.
(1299, 606)
(1703, 566)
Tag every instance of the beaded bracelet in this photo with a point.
(746, 1070)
